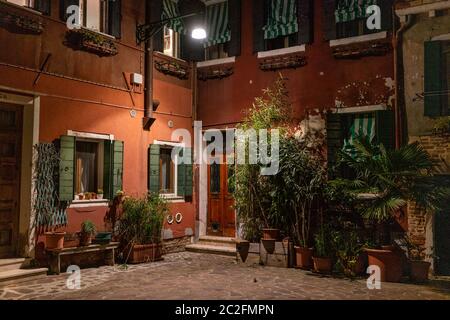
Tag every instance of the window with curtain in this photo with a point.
(172, 29)
(351, 17)
(218, 31)
(281, 28)
(88, 167)
(92, 14)
(166, 171)
(363, 125)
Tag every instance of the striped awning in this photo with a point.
(282, 19)
(363, 127)
(217, 24)
(349, 10)
(170, 11)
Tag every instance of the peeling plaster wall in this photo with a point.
(423, 29)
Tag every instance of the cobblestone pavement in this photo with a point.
(185, 276)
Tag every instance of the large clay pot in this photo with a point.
(269, 245)
(322, 265)
(242, 246)
(389, 262)
(419, 271)
(54, 240)
(145, 253)
(303, 257)
(269, 234)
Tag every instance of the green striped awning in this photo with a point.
(170, 11)
(217, 24)
(349, 10)
(363, 126)
(282, 19)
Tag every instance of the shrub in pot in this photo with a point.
(140, 228)
(88, 231)
(419, 268)
(349, 251)
(323, 262)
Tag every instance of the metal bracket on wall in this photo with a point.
(41, 69)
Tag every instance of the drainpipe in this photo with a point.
(400, 105)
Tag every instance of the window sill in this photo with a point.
(28, 9)
(358, 39)
(89, 203)
(280, 52)
(172, 198)
(362, 109)
(215, 62)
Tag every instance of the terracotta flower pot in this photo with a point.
(242, 246)
(269, 233)
(419, 270)
(322, 265)
(304, 257)
(85, 239)
(269, 245)
(389, 262)
(54, 240)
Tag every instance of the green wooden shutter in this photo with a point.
(234, 47)
(305, 21)
(329, 19)
(184, 174)
(386, 7)
(335, 137)
(258, 24)
(117, 166)
(153, 168)
(107, 169)
(63, 5)
(433, 79)
(115, 18)
(385, 132)
(66, 168)
(155, 15)
(43, 6)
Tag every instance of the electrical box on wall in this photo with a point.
(137, 79)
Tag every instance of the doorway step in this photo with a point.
(215, 245)
(13, 271)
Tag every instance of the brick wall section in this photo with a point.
(176, 245)
(439, 148)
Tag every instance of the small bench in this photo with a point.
(55, 254)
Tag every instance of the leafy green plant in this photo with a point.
(142, 220)
(348, 246)
(322, 243)
(442, 125)
(88, 228)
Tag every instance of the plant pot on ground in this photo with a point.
(389, 262)
(304, 257)
(323, 262)
(271, 233)
(269, 245)
(54, 240)
(242, 247)
(140, 228)
(419, 268)
(88, 231)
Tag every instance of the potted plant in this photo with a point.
(140, 228)
(88, 231)
(349, 251)
(242, 247)
(419, 268)
(100, 194)
(385, 181)
(323, 262)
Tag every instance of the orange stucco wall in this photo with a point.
(83, 92)
(321, 84)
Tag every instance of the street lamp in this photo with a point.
(145, 32)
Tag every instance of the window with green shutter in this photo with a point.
(437, 78)
(90, 168)
(168, 175)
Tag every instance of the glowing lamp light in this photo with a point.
(199, 33)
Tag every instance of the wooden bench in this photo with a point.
(55, 254)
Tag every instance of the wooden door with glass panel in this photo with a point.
(221, 212)
(10, 160)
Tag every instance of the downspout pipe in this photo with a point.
(400, 107)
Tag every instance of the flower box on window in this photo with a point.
(362, 49)
(282, 62)
(90, 41)
(218, 72)
(172, 68)
(17, 20)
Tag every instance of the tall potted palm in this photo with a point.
(385, 181)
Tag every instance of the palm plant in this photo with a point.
(388, 179)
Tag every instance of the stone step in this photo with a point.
(11, 264)
(217, 241)
(213, 249)
(21, 275)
